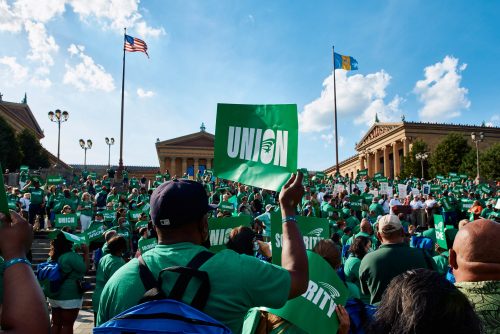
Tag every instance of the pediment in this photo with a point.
(378, 130)
(198, 139)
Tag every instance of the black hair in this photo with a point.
(59, 246)
(422, 301)
(358, 247)
(117, 244)
(241, 240)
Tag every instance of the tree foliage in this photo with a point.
(411, 166)
(489, 163)
(10, 154)
(449, 154)
(33, 154)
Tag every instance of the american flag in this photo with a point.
(133, 44)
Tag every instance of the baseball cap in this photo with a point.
(389, 223)
(178, 202)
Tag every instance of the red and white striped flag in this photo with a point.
(133, 44)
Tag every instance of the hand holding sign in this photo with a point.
(291, 193)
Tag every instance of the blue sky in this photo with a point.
(429, 60)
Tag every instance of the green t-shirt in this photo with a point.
(108, 265)
(441, 264)
(87, 208)
(133, 215)
(351, 269)
(71, 263)
(36, 195)
(238, 283)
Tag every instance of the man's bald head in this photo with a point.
(475, 255)
(365, 226)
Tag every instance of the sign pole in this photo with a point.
(335, 114)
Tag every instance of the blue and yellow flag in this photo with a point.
(344, 62)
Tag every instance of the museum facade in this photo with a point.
(383, 147)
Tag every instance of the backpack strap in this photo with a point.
(186, 273)
(153, 289)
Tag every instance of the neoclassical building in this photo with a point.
(187, 154)
(383, 147)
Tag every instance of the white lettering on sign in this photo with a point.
(261, 145)
(323, 292)
(219, 237)
(309, 241)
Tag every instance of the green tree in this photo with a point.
(411, 166)
(449, 154)
(489, 162)
(33, 154)
(10, 154)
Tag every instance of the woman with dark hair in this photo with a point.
(243, 241)
(357, 251)
(422, 301)
(108, 265)
(68, 301)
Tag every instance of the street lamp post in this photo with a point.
(85, 147)
(421, 157)
(109, 142)
(58, 117)
(477, 138)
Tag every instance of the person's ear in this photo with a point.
(452, 259)
(379, 236)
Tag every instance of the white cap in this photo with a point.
(389, 223)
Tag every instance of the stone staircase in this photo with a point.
(40, 250)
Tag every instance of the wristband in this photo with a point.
(14, 261)
(289, 219)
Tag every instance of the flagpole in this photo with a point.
(335, 113)
(120, 162)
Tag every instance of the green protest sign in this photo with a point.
(108, 215)
(378, 175)
(455, 179)
(36, 178)
(76, 239)
(4, 205)
(312, 230)
(484, 188)
(147, 244)
(95, 232)
(451, 174)
(256, 144)
(70, 220)
(320, 175)
(440, 177)
(447, 204)
(54, 179)
(363, 172)
(435, 188)
(226, 206)
(24, 168)
(440, 233)
(356, 202)
(219, 229)
(466, 203)
(463, 176)
(93, 175)
(325, 291)
(445, 181)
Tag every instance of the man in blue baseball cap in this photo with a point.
(179, 211)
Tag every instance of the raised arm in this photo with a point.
(293, 254)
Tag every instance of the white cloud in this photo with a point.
(494, 121)
(144, 93)
(39, 78)
(38, 10)
(11, 72)
(42, 45)
(8, 20)
(87, 75)
(329, 139)
(440, 91)
(115, 14)
(357, 94)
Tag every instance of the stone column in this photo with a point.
(196, 166)
(163, 164)
(173, 169)
(369, 164)
(361, 161)
(184, 166)
(376, 156)
(387, 165)
(209, 163)
(406, 147)
(395, 156)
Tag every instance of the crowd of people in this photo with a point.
(382, 244)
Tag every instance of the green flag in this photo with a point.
(219, 229)
(314, 311)
(70, 220)
(95, 232)
(256, 144)
(312, 230)
(54, 179)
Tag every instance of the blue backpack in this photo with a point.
(360, 315)
(162, 314)
(50, 276)
(421, 242)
